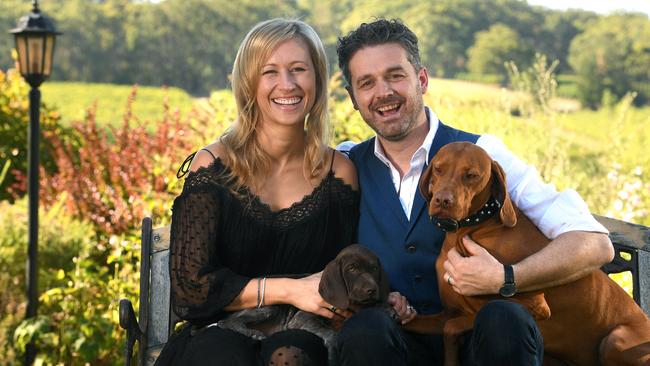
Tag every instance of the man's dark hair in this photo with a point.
(379, 32)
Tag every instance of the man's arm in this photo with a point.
(567, 258)
(580, 244)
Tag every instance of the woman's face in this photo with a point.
(287, 86)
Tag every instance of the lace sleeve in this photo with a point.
(200, 285)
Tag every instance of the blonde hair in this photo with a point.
(244, 155)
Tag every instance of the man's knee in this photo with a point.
(505, 317)
(371, 322)
(504, 330)
(371, 334)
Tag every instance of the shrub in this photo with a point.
(80, 316)
(61, 238)
(119, 175)
(14, 122)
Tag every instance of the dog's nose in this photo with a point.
(371, 292)
(443, 199)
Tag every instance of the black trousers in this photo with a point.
(504, 334)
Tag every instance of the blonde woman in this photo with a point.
(266, 201)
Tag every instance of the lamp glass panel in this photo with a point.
(49, 48)
(23, 57)
(35, 45)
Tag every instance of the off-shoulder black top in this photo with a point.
(220, 240)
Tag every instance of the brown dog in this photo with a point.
(592, 320)
(354, 280)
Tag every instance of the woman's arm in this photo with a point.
(301, 293)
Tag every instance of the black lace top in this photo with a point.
(219, 240)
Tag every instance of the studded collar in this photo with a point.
(489, 209)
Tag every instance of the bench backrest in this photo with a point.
(154, 292)
(631, 241)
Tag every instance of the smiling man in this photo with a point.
(386, 81)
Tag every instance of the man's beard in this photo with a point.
(409, 121)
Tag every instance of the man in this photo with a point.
(385, 79)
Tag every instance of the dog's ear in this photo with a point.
(425, 181)
(500, 192)
(383, 284)
(332, 286)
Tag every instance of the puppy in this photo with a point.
(352, 281)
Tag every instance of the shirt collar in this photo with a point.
(426, 144)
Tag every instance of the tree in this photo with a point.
(612, 57)
(558, 31)
(494, 47)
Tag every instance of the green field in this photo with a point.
(73, 100)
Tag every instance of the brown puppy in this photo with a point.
(592, 320)
(354, 280)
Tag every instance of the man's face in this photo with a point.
(386, 90)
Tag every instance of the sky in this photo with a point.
(598, 6)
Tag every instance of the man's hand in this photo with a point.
(478, 274)
(402, 308)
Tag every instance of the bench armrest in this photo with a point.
(129, 322)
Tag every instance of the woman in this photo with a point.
(266, 201)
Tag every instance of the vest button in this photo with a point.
(411, 248)
(417, 278)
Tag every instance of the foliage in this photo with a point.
(113, 178)
(191, 44)
(61, 238)
(612, 56)
(494, 47)
(71, 331)
(14, 122)
(347, 124)
(185, 43)
(538, 81)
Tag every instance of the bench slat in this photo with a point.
(160, 238)
(626, 233)
(643, 275)
(159, 297)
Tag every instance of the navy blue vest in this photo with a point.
(407, 248)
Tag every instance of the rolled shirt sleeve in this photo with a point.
(553, 212)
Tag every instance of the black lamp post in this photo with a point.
(35, 37)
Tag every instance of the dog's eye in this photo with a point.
(437, 169)
(373, 268)
(471, 176)
(351, 268)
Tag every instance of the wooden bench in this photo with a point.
(156, 321)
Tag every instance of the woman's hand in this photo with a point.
(404, 310)
(303, 294)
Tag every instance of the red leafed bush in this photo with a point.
(113, 177)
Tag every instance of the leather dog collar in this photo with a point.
(489, 209)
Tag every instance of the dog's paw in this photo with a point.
(256, 334)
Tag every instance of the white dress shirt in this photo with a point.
(553, 212)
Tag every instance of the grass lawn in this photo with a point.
(73, 99)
